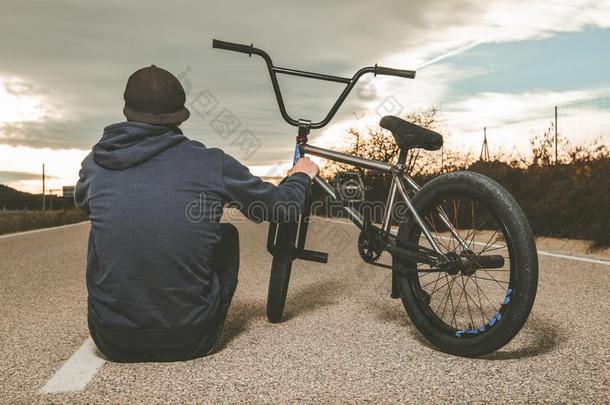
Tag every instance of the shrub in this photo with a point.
(567, 199)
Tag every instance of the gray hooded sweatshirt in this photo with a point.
(155, 199)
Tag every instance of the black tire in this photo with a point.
(521, 270)
(281, 267)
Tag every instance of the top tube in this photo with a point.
(273, 70)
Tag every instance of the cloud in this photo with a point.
(399, 97)
(507, 21)
(9, 176)
(75, 63)
(20, 102)
(62, 165)
(51, 133)
(512, 119)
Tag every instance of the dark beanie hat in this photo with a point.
(155, 96)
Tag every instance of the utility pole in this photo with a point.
(44, 203)
(556, 160)
(485, 148)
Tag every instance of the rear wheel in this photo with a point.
(281, 267)
(469, 310)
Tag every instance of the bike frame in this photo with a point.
(397, 185)
(398, 170)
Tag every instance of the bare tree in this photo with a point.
(378, 144)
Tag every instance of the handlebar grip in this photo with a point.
(231, 46)
(380, 70)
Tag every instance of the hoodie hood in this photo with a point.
(129, 144)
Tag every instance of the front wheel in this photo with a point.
(281, 266)
(474, 309)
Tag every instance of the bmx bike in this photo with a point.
(464, 260)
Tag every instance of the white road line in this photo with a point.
(337, 221)
(603, 262)
(12, 235)
(551, 254)
(77, 371)
(578, 258)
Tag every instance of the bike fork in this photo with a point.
(298, 245)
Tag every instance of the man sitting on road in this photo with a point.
(161, 279)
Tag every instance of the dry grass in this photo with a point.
(18, 221)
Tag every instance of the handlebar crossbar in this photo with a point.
(273, 70)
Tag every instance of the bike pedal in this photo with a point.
(313, 256)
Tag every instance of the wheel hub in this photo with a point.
(466, 261)
(461, 263)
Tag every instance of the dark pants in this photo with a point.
(225, 263)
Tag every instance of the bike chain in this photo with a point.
(370, 245)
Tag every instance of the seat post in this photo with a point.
(402, 156)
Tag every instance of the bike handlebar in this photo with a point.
(230, 46)
(273, 70)
(408, 74)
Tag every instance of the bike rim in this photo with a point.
(466, 305)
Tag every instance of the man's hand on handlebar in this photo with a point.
(305, 165)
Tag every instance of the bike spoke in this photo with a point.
(435, 282)
(436, 238)
(448, 297)
(466, 297)
(474, 228)
(486, 297)
(492, 277)
(492, 249)
(479, 296)
(451, 299)
(489, 279)
(443, 298)
(441, 287)
(457, 306)
(488, 243)
(465, 224)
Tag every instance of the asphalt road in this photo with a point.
(344, 339)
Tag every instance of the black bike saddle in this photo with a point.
(409, 135)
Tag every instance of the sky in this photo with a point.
(498, 64)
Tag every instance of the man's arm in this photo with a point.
(262, 201)
(81, 194)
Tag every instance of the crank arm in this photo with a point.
(407, 254)
(415, 270)
(311, 255)
(390, 239)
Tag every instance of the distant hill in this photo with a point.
(6, 191)
(12, 199)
